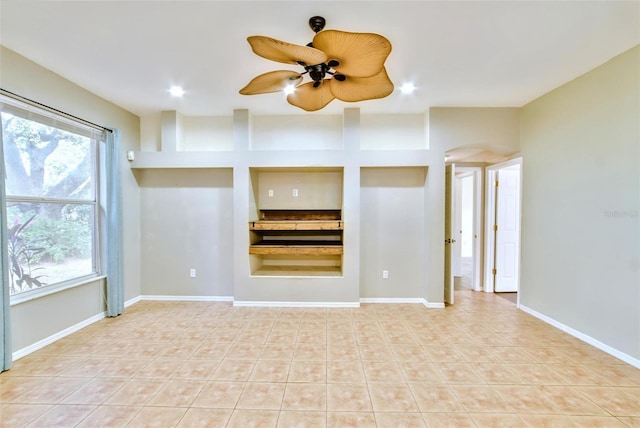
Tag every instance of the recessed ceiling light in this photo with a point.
(407, 88)
(176, 91)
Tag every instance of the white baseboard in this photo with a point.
(54, 337)
(391, 300)
(280, 304)
(296, 304)
(187, 298)
(131, 301)
(402, 300)
(585, 338)
(433, 305)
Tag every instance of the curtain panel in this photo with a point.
(5, 310)
(115, 275)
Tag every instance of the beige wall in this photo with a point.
(392, 232)
(208, 133)
(36, 320)
(581, 199)
(288, 133)
(187, 219)
(317, 190)
(393, 132)
(495, 129)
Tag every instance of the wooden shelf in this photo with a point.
(298, 270)
(275, 225)
(296, 248)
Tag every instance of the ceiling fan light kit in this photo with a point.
(341, 65)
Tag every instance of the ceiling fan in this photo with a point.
(343, 65)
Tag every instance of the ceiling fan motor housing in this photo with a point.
(317, 72)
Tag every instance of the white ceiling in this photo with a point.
(463, 54)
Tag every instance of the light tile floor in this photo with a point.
(479, 363)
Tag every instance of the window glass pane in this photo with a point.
(48, 243)
(44, 161)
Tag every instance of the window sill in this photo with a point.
(27, 296)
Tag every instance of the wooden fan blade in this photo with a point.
(276, 50)
(273, 81)
(362, 88)
(309, 98)
(359, 54)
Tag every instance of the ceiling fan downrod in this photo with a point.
(319, 71)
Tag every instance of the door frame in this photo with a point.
(490, 213)
(449, 201)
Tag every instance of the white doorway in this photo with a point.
(502, 250)
(467, 247)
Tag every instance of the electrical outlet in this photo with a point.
(192, 273)
(270, 192)
(295, 193)
(385, 274)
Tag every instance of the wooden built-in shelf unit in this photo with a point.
(298, 242)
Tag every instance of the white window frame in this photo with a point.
(96, 202)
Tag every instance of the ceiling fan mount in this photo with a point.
(317, 23)
(343, 65)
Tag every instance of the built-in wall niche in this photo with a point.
(296, 224)
(299, 132)
(210, 133)
(394, 132)
(170, 131)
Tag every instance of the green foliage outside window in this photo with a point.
(22, 252)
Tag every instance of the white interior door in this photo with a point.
(507, 249)
(471, 237)
(449, 197)
(457, 227)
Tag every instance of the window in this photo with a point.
(51, 184)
